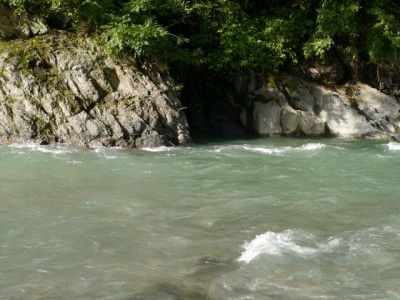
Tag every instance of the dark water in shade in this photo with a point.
(258, 219)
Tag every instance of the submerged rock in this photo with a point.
(59, 88)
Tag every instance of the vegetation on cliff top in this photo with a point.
(230, 36)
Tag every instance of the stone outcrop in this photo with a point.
(63, 88)
(298, 108)
(59, 88)
(13, 25)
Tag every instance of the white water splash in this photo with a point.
(75, 162)
(312, 147)
(282, 150)
(108, 152)
(53, 149)
(272, 243)
(159, 149)
(277, 151)
(393, 146)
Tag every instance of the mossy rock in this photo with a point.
(292, 84)
(272, 81)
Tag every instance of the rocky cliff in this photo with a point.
(19, 25)
(60, 88)
(294, 107)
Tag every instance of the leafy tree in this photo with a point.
(383, 41)
(364, 28)
(241, 36)
(336, 21)
(143, 28)
(227, 37)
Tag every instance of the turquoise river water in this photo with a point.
(244, 219)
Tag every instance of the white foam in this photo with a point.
(266, 150)
(106, 152)
(312, 146)
(282, 150)
(75, 162)
(110, 157)
(159, 149)
(272, 243)
(57, 149)
(218, 149)
(393, 146)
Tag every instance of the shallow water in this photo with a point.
(251, 219)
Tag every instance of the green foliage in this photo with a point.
(240, 36)
(318, 47)
(86, 15)
(143, 29)
(17, 5)
(369, 28)
(141, 39)
(233, 42)
(228, 37)
(336, 20)
(78, 14)
(384, 36)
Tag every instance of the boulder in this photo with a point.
(377, 105)
(341, 119)
(290, 121)
(310, 125)
(309, 109)
(267, 118)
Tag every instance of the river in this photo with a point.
(243, 219)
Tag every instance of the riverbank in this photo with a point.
(64, 87)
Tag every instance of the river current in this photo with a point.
(243, 219)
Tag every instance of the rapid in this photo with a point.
(271, 218)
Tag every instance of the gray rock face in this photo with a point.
(267, 118)
(60, 89)
(13, 25)
(341, 119)
(306, 109)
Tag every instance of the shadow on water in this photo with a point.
(205, 140)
